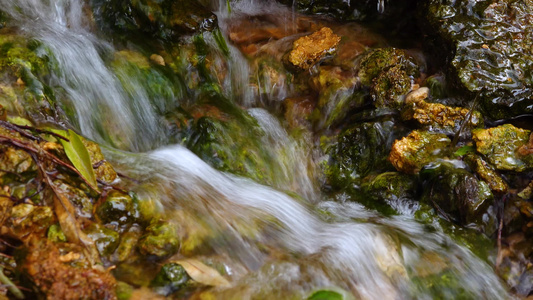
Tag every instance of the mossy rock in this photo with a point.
(416, 150)
(160, 239)
(117, 208)
(359, 150)
(501, 147)
(171, 278)
(105, 239)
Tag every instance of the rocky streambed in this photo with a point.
(418, 111)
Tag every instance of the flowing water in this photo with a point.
(274, 246)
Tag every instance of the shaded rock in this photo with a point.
(166, 20)
(489, 46)
(308, 50)
(500, 145)
(419, 148)
(455, 193)
(359, 150)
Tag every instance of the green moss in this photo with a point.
(55, 234)
(389, 88)
(381, 60)
(160, 239)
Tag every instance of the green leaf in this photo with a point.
(79, 156)
(464, 150)
(326, 295)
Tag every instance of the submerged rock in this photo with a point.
(166, 20)
(490, 50)
(455, 193)
(500, 146)
(486, 172)
(170, 279)
(308, 50)
(416, 150)
(160, 239)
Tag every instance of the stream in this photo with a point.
(281, 236)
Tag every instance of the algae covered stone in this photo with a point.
(160, 239)
(170, 279)
(419, 148)
(441, 118)
(308, 50)
(380, 60)
(500, 146)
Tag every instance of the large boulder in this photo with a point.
(488, 47)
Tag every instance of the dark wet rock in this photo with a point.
(105, 239)
(500, 146)
(455, 193)
(117, 208)
(489, 50)
(166, 20)
(170, 279)
(416, 150)
(359, 150)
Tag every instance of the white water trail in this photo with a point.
(360, 251)
(104, 110)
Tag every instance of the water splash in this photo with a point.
(358, 251)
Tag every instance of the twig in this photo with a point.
(501, 209)
(17, 127)
(467, 120)
(41, 152)
(10, 285)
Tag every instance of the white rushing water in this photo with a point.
(333, 246)
(92, 89)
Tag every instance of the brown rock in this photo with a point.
(310, 49)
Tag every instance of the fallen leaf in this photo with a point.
(79, 156)
(202, 273)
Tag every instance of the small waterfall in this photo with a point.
(370, 256)
(321, 245)
(105, 112)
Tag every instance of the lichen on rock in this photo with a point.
(308, 50)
